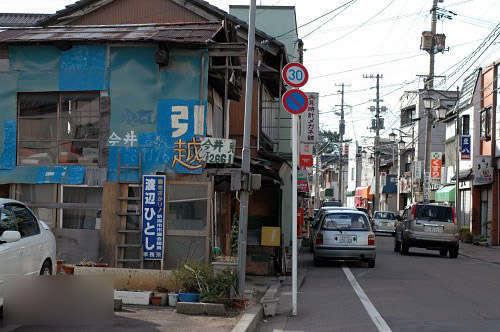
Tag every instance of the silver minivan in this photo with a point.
(429, 226)
(344, 235)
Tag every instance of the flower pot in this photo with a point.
(156, 300)
(189, 297)
(172, 299)
(69, 269)
(59, 268)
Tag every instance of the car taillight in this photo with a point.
(319, 238)
(414, 212)
(371, 239)
(454, 216)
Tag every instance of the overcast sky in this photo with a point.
(381, 36)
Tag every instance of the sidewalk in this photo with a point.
(485, 254)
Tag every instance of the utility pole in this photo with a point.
(245, 152)
(429, 84)
(376, 150)
(457, 163)
(341, 132)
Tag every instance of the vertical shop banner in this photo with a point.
(465, 147)
(436, 164)
(306, 156)
(153, 216)
(302, 181)
(309, 120)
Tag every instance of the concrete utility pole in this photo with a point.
(429, 84)
(457, 163)
(245, 152)
(376, 149)
(341, 132)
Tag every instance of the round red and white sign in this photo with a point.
(295, 74)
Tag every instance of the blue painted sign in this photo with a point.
(153, 216)
(465, 147)
(295, 101)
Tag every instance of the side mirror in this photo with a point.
(10, 236)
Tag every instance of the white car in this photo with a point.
(27, 246)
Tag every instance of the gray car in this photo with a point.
(384, 222)
(344, 235)
(429, 226)
(314, 225)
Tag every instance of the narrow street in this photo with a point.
(420, 292)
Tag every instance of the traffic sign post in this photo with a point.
(296, 102)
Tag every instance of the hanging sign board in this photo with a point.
(483, 170)
(436, 164)
(309, 120)
(295, 101)
(217, 150)
(153, 216)
(465, 147)
(295, 74)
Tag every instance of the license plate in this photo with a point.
(433, 229)
(346, 239)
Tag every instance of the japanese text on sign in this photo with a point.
(465, 147)
(153, 216)
(218, 150)
(436, 164)
(309, 120)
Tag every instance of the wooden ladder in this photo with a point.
(128, 198)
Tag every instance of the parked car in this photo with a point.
(319, 215)
(363, 210)
(384, 222)
(27, 246)
(430, 226)
(344, 235)
(331, 203)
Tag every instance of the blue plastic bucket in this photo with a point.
(189, 297)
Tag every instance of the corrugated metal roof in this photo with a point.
(181, 33)
(21, 20)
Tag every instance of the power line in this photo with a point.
(315, 19)
(357, 27)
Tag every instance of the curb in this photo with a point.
(250, 319)
(479, 259)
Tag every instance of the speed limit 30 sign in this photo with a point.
(295, 74)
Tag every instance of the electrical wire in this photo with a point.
(328, 21)
(356, 28)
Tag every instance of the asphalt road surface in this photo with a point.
(419, 292)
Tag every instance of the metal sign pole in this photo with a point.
(294, 214)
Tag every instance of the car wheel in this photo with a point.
(405, 248)
(371, 263)
(443, 252)
(46, 269)
(397, 245)
(454, 252)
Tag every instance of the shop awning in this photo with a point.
(363, 192)
(446, 194)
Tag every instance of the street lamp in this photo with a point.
(428, 101)
(364, 153)
(401, 144)
(392, 136)
(440, 110)
(371, 159)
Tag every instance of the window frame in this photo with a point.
(59, 139)
(465, 124)
(34, 218)
(485, 123)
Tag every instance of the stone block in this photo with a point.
(190, 308)
(215, 309)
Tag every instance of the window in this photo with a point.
(384, 215)
(26, 222)
(346, 221)
(58, 128)
(485, 129)
(465, 124)
(7, 221)
(434, 212)
(81, 207)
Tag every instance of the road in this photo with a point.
(420, 292)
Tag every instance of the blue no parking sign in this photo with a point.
(295, 101)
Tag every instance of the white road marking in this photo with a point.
(369, 307)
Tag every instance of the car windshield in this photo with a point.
(346, 221)
(434, 212)
(384, 215)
